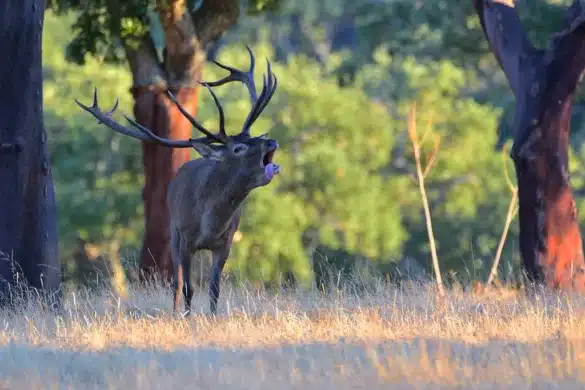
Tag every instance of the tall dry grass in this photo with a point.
(387, 337)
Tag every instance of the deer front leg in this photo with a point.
(219, 258)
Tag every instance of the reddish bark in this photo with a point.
(186, 35)
(154, 110)
(544, 83)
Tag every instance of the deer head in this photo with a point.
(204, 197)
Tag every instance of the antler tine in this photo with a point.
(269, 84)
(154, 137)
(114, 108)
(144, 134)
(237, 75)
(192, 120)
(105, 118)
(222, 132)
(247, 78)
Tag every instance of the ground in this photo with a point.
(404, 338)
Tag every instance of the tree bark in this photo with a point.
(154, 110)
(179, 73)
(544, 84)
(187, 37)
(28, 217)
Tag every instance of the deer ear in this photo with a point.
(208, 151)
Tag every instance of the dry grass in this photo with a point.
(404, 338)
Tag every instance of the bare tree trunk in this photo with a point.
(544, 83)
(28, 216)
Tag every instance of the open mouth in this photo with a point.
(268, 158)
(270, 168)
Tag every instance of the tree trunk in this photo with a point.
(28, 217)
(155, 110)
(181, 68)
(544, 83)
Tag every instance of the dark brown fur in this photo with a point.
(205, 205)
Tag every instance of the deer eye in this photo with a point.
(240, 149)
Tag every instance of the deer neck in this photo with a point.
(235, 185)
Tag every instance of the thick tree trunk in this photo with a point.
(28, 222)
(154, 110)
(544, 84)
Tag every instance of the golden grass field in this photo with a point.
(386, 338)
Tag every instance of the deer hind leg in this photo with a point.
(187, 256)
(178, 274)
(219, 258)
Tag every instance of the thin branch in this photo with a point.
(213, 18)
(429, 128)
(512, 210)
(433, 157)
(511, 185)
(421, 183)
(565, 59)
(506, 37)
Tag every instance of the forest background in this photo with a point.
(347, 199)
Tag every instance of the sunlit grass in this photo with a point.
(406, 338)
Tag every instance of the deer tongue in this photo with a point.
(270, 170)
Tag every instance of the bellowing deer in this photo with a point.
(206, 195)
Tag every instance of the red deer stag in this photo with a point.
(206, 195)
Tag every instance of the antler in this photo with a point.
(269, 85)
(221, 136)
(145, 134)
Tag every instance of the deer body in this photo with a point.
(205, 197)
(204, 200)
(205, 208)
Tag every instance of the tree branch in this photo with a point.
(213, 18)
(144, 65)
(183, 54)
(507, 38)
(189, 32)
(565, 57)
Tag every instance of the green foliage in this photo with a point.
(467, 179)
(331, 180)
(104, 27)
(255, 7)
(97, 172)
(346, 191)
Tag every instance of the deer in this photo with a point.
(206, 195)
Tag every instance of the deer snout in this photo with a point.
(271, 145)
(270, 169)
(270, 149)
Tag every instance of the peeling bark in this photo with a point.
(28, 216)
(544, 84)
